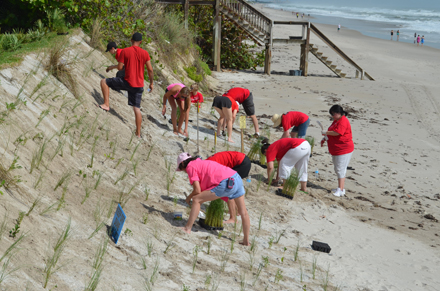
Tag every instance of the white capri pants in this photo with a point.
(297, 157)
(341, 163)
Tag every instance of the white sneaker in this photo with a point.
(339, 192)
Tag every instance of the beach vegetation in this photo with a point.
(291, 184)
(311, 141)
(215, 213)
(314, 265)
(279, 276)
(4, 225)
(195, 256)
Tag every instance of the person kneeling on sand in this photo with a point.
(289, 152)
(298, 120)
(134, 58)
(340, 145)
(177, 94)
(238, 162)
(212, 181)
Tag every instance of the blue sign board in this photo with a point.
(117, 224)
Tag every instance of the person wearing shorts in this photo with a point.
(134, 58)
(177, 95)
(244, 97)
(290, 153)
(298, 121)
(340, 145)
(238, 162)
(225, 106)
(210, 182)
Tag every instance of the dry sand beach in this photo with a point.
(384, 234)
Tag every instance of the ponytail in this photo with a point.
(265, 145)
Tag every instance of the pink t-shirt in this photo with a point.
(176, 84)
(208, 173)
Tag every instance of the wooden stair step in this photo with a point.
(338, 71)
(333, 67)
(324, 58)
(314, 49)
(319, 54)
(328, 63)
(342, 75)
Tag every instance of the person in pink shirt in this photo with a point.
(177, 95)
(212, 181)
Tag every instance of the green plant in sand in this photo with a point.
(215, 213)
(311, 141)
(291, 184)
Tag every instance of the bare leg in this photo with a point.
(173, 113)
(138, 119)
(303, 186)
(341, 183)
(293, 134)
(244, 219)
(220, 120)
(185, 131)
(232, 215)
(228, 116)
(255, 122)
(198, 200)
(182, 116)
(105, 94)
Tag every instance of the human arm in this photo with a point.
(109, 68)
(270, 168)
(120, 66)
(150, 74)
(331, 133)
(196, 190)
(171, 92)
(285, 134)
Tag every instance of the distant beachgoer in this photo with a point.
(392, 32)
(298, 120)
(340, 145)
(339, 27)
(422, 41)
(302, 16)
(178, 96)
(418, 40)
(297, 14)
(212, 181)
(290, 153)
(415, 37)
(398, 32)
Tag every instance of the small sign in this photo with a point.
(242, 122)
(117, 224)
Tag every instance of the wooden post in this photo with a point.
(186, 13)
(242, 141)
(303, 34)
(362, 74)
(268, 55)
(357, 74)
(305, 56)
(197, 126)
(217, 30)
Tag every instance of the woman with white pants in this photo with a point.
(340, 145)
(290, 153)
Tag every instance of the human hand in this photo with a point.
(151, 87)
(324, 132)
(322, 142)
(164, 110)
(188, 200)
(108, 69)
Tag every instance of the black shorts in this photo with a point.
(244, 168)
(134, 94)
(248, 105)
(221, 101)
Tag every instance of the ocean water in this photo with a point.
(374, 18)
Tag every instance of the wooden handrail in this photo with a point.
(325, 39)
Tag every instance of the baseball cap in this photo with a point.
(181, 158)
(136, 36)
(111, 45)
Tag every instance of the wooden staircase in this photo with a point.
(326, 62)
(250, 20)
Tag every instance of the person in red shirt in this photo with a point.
(298, 120)
(195, 95)
(244, 97)
(134, 58)
(238, 162)
(225, 106)
(113, 49)
(340, 145)
(289, 152)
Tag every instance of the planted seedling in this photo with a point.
(215, 213)
(279, 276)
(145, 218)
(209, 244)
(13, 232)
(295, 253)
(170, 244)
(271, 239)
(314, 265)
(291, 184)
(260, 220)
(149, 245)
(311, 141)
(195, 256)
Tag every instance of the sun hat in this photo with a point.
(276, 119)
(181, 158)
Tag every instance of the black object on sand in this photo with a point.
(279, 192)
(321, 247)
(205, 226)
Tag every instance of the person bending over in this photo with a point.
(177, 95)
(298, 120)
(210, 182)
(225, 106)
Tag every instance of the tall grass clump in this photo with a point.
(255, 151)
(291, 184)
(215, 213)
(98, 265)
(37, 156)
(95, 34)
(311, 141)
(55, 254)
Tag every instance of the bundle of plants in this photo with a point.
(291, 184)
(311, 141)
(262, 159)
(215, 213)
(255, 151)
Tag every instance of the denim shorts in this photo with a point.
(301, 129)
(222, 190)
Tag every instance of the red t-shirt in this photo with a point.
(197, 97)
(238, 94)
(118, 52)
(279, 148)
(228, 159)
(343, 143)
(134, 59)
(293, 118)
(233, 103)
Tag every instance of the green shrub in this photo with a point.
(11, 42)
(205, 68)
(192, 74)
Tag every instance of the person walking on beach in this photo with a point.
(298, 121)
(212, 181)
(134, 58)
(422, 40)
(340, 145)
(238, 162)
(177, 95)
(113, 49)
(290, 153)
(398, 33)
(392, 32)
(339, 27)
(244, 97)
(418, 40)
(415, 37)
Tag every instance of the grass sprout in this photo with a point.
(195, 256)
(291, 184)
